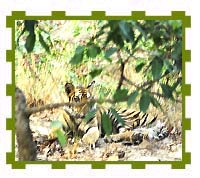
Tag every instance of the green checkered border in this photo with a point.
(98, 15)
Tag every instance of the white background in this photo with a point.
(123, 7)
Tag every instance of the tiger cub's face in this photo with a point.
(79, 95)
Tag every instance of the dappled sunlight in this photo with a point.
(135, 65)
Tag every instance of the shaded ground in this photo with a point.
(168, 149)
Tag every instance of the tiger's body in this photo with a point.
(85, 118)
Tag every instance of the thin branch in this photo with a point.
(122, 67)
(33, 110)
(121, 76)
(163, 96)
(121, 71)
(131, 83)
(152, 81)
(139, 87)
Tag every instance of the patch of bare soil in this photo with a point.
(168, 149)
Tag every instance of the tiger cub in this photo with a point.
(85, 118)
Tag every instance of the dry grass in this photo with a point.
(40, 86)
(43, 82)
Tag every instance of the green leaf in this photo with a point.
(56, 124)
(132, 97)
(76, 59)
(177, 54)
(167, 90)
(120, 95)
(43, 43)
(110, 52)
(95, 72)
(126, 30)
(30, 42)
(175, 84)
(139, 66)
(144, 101)
(175, 24)
(29, 25)
(117, 116)
(78, 56)
(157, 65)
(117, 39)
(61, 137)
(168, 65)
(79, 49)
(92, 51)
(177, 51)
(155, 102)
(90, 115)
(107, 124)
(101, 97)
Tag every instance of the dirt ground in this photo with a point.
(168, 149)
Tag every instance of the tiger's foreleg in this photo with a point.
(130, 136)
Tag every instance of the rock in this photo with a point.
(121, 154)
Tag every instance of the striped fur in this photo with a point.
(82, 126)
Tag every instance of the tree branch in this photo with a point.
(33, 110)
(122, 67)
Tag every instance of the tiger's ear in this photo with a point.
(69, 88)
(91, 84)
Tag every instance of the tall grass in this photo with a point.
(42, 76)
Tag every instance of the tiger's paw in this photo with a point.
(137, 138)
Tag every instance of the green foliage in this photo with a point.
(61, 137)
(56, 124)
(162, 40)
(156, 67)
(43, 43)
(126, 31)
(120, 32)
(120, 95)
(144, 101)
(168, 67)
(154, 101)
(150, 48)
(110, 52)
(31, 26)
(78, 56)
(57, 127)
(93, 51)
(132, 97)
(139, 65)
(89, 50)
(89, 115)
(117, 116)
(95, 72)
(30, 42)
(107, 124)
(167, 90)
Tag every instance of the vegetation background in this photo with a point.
(135, 64)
